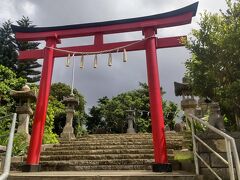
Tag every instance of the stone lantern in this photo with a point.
(130, 119)
(70, 102)
(23, 108)
(188, 103)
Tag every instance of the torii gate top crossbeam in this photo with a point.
(173, 18)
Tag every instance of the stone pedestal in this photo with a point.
(70, 102)
(215, 118)
(203, 105)
(188, 106)
(130, 129)
(130, 119)
(68, 131)
(23, 125)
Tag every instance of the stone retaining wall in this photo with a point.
(217, 143)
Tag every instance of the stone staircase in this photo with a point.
(97, 156)
(107, 152)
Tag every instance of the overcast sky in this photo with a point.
(121, 77)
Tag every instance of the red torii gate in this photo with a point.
(53, 35)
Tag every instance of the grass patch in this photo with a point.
(183, 155)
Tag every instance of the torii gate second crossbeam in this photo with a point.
(53, 35)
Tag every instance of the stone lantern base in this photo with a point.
(68, 133)
(23, 125)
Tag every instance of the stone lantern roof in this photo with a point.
(24, 93)
(182, 89)
(70, 100)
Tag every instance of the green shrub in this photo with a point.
(20, 144)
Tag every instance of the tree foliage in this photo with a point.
(9, 48)
(8, 82)
(109, 116)
(213, 69)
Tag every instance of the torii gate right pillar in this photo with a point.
(159, 142)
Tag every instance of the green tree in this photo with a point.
(8, 82)
(110, 114)
(213, 69)
(54, 108)
(170, 111)
(60, 90)
(9, 48)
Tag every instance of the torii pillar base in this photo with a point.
(31, 168)
(162, 167)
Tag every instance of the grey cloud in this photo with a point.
(95, 83)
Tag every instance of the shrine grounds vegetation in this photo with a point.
(109, 116)
(213, 70)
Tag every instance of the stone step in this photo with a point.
(98, 157)
(168, 136)
(173, 145)
(96, 162)
(97, 141)
(117, 140)
(61, 167)
(119, 135)
(86, 165)
(103, 175)
(76, 143)
(126, 136)
(92, 147)
(167, 133)
(99, 151)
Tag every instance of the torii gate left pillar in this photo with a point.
(148, 25)
(41, 108)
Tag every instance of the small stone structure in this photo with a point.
(190, 106)
(215, 118)
(203, 105)
(188, 103)
(23, 108)
(179, 127)
(130, 119)
(70, 102)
